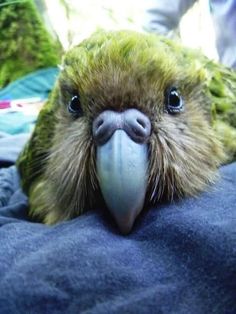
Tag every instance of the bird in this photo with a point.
(133, 119)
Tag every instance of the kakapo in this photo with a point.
(133, 118)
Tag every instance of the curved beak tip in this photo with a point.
(125, 229)
(125, 224)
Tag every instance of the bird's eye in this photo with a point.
(174, 102)
(74, 106)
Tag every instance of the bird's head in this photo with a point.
(133, 125)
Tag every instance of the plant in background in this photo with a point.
(25, 43)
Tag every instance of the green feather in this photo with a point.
(32, 160)
(220, 87)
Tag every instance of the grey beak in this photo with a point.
(122, 168)
(122, 163)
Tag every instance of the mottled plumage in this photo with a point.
(118, 71)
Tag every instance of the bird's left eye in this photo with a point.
(173, 101)
(74, 106)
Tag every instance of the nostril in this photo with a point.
(142, 123)
(104, 126)
(133, 122)
(100, 123)
(137, 131)
(137, 125)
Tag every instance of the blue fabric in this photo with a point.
(180, 258)
(36, 84)
(10, 147)
(16, 122)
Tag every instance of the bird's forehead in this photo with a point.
(139, 55)
(109, 70)
(129, 67)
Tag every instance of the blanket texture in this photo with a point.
(180, 257)
(36, 84)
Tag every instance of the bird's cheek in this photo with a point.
(122, 165)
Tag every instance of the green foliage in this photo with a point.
(25, 44)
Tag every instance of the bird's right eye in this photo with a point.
(173, 101)
(74, 106)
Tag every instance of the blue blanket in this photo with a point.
(36, 84)
(180, 258)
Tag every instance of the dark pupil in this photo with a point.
(74, 106)
(74, 103)
(174, 99)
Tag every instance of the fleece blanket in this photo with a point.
(36, 84)
(179, 258)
